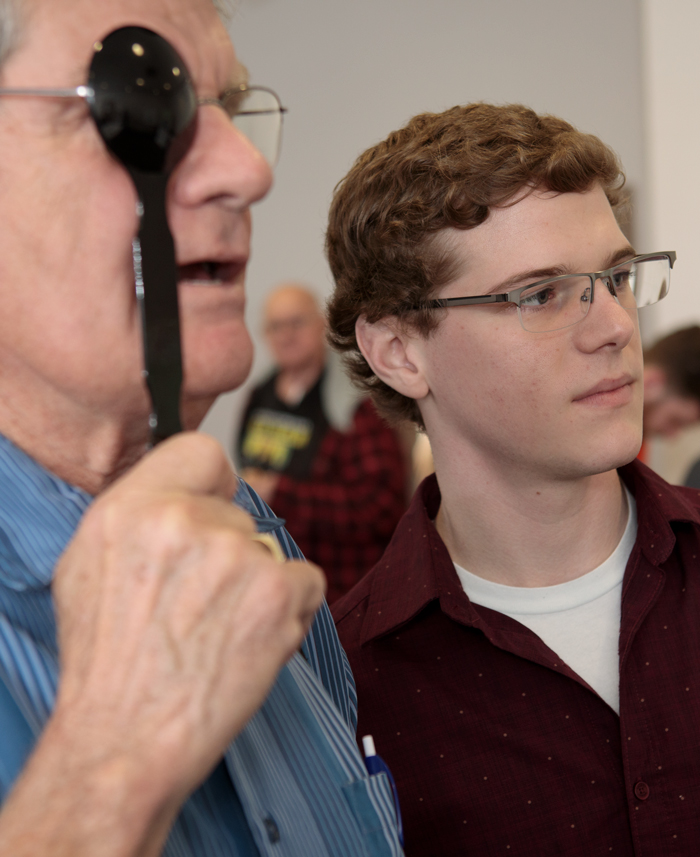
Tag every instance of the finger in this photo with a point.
(190, 462)
(312, 588)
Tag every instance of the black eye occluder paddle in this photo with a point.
(144, 105)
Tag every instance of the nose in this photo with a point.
(607, 323)
(221, 166)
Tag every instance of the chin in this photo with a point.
(193, 411)
(216, 364)
(617, 453)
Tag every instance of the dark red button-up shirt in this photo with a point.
(497, 747)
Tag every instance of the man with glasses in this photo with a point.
(193, 713)
(526, 650)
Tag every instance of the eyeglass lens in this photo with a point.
(564, 302)
(257, 114)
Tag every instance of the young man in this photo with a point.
(527, 649)
(317, 451)
(157, 691)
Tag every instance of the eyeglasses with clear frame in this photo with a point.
(255, 111)
(562, 301)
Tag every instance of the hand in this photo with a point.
(173, 625)
(263, 481)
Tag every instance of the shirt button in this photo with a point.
(641, 790)
(273, 833)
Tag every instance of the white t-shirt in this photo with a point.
(579, 620)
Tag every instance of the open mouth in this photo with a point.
(209, 273)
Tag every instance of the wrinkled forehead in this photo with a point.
(58, 39)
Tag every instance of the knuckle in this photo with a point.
(204, 448)
(227, 546)
(277, 589)
(103, 519)
(170, 521)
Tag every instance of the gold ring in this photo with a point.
(271, 544)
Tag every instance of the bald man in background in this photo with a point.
(312, 447)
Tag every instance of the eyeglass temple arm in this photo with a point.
(477, 299)
(73, 92)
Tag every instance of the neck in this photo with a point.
(88, 457)
(87, 445)
(528, 533)
(87, 439)
(293, 384)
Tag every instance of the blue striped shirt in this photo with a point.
(292, 784)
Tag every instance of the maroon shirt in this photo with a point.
(497, 747)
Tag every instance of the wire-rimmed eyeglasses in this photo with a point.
(559, 302)
(256, 111)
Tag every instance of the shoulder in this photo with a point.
(353, 604)
(653, 493)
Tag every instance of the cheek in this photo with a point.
(72, 220)
(497, 364)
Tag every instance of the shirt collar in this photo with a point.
(38, 515)
(416, 568)
(659, 506)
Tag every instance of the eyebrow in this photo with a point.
(535, 274)
(241, 77)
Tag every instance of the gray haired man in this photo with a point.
(183, 718)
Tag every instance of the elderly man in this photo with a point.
(177, 633)
(318, 452)
(527, 647)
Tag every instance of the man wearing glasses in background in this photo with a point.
(193, 714)
(527, 650)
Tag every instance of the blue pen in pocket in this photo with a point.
(376, 765)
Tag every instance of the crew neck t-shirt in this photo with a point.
(579, 619)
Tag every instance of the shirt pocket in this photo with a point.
(372, 804)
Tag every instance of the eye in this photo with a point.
(621, 279)
(538, 298)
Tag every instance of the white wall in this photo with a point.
(350, 72)
(672, 177)
(672, 128)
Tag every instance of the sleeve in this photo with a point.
(357, 486)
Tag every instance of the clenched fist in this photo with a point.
(173, 624)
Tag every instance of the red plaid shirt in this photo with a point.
(343, 516)
(497, 747)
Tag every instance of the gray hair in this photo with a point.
(226, 9)
(11, 23)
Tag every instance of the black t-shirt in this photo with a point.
(692, 479)
(281, 437)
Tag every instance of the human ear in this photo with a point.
(392, 354)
